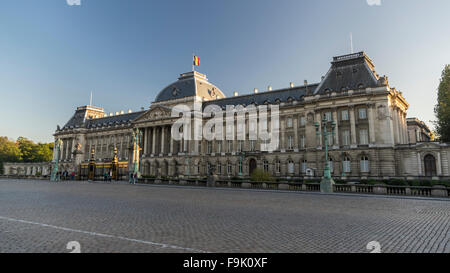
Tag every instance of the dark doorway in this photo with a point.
(430, 165)
(252, 165)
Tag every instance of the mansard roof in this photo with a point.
(113, 120)
(270, 97)
(190, 84)
(350, 72)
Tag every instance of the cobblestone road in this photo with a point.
(42, 216)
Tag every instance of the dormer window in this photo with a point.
(360, 86)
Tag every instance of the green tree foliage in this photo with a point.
(24, 150)
(442, 109)
(259, 175)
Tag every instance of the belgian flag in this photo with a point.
(196, 61)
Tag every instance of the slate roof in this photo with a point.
(350, 72)
(271, 97)
(77, 120)
(113, 120)
(188, 85)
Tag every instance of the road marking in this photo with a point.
(162, 245)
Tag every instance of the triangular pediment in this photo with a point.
(157, 112)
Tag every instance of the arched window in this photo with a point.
(278, 166)
(430, 165)
(364, 164)
(304, 166)
(346, 164)
(290, 167)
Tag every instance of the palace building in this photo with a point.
(373, 138)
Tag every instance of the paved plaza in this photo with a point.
(43, 216)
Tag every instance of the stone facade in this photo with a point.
(372, 136)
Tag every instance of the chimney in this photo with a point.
(291, 84)
(305, 82)
(142, 108)
(255, 90)
(235, 93)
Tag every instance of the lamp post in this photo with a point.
(326, 184)
(54, 176)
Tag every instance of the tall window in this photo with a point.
(199, 146)
(290, 142)
(230, 146)
(229, 168)
(240, 145)
(330, 139)
(302, 121)
(240, 166)
(219, 146)
(304, 166)
(291, 167)
(328, 116)
(219, 168)
(346, 165)
(289, 122)
(209, 147)
(252, 145)
(363, 137)
(278, 166)
(302, 142)
(365, 164)
(344, 115)
(362, 113)
(266, 166)
(345, 137)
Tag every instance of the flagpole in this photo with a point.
(193, 66)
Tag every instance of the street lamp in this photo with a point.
(326, 184)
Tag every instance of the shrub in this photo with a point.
(259, 175)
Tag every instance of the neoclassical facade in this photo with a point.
(373, 138)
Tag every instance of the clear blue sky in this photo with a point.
(53, 55)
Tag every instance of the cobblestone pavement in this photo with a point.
(42, 216)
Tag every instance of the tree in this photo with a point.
(9, 152)
(442, 109)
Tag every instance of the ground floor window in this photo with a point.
(346, 165)
(266, 166)
(291, 166)
(364, 164)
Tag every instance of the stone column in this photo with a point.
(162, 152)
(153, 140)
(419, 164)
(371, 120)
(336, 129)
(354, 144)
(439, 164)
(171, 141)
(145, 148)
(67, 150)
